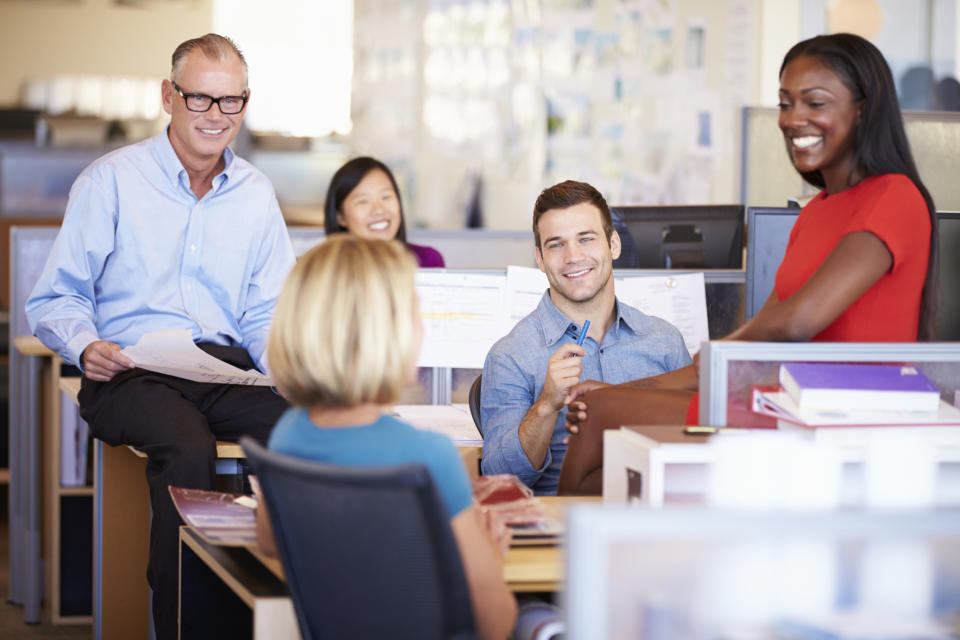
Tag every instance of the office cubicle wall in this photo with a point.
(29, 247)
(730, 370)
(461, 249)
(35, 181)
(768, 179)
(724, 296)
(721, 573)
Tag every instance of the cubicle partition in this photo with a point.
(769, 179)
(722, 573)
(461, 248)
(730, 370)
(29, 247)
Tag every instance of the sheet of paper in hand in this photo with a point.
(173, 353)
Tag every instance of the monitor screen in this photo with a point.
(768, 229)
(680, 237)
(948, 308)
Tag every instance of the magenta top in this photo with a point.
(426, 256)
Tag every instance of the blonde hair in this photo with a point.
(343, 329)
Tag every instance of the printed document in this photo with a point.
(174, 354)
(461, 317)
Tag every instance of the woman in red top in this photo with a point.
(861, 261)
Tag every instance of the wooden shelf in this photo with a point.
(75, 491)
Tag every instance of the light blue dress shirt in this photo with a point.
(636, 346)
(138, 252)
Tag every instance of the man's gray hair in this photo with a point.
(215, 47)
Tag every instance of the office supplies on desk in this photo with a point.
(825, 386)
(515, 503)
(771, 401)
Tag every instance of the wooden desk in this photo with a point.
(246, 590)
(525, 568)
(225, 592)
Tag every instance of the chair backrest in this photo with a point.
(367, 552)
(474, 400)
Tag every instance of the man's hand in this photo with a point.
(563, 372)
(102, 360)
(577, 408)
(536, 428)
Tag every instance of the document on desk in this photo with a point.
(173, 353)
(452, 420)
(461, 317)
(680, 299)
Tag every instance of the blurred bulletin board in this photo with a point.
(769, 179)
(639, 97)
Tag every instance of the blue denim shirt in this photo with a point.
(636, 346)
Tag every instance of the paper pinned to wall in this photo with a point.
(680, 299)
(461, 317)
(525, 287)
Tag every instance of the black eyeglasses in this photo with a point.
(200, 102)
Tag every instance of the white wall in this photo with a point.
(93, 37)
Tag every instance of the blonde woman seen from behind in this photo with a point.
(344, 342)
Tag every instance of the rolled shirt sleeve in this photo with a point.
(507, 393)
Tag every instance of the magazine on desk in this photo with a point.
(515, 503)
(773, 401)
(225, 519)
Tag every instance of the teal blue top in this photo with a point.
(386, 442)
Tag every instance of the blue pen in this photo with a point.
(583, 333)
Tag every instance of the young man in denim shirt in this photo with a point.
(528, 373)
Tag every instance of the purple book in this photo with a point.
(819, 386)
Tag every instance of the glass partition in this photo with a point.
(704, 574)
(730, 370)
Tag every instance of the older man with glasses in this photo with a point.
(174, 232)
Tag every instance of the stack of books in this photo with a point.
(815, 394)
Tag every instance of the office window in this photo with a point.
(300, 56)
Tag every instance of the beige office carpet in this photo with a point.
(12, 626)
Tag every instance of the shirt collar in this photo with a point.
(555, 324)
(173, 168)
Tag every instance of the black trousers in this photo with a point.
(177, 423)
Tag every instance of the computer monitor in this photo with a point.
(948, 308)
(680, 237)
(768, 230)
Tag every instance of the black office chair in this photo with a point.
(474, 400)
(367, 552)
